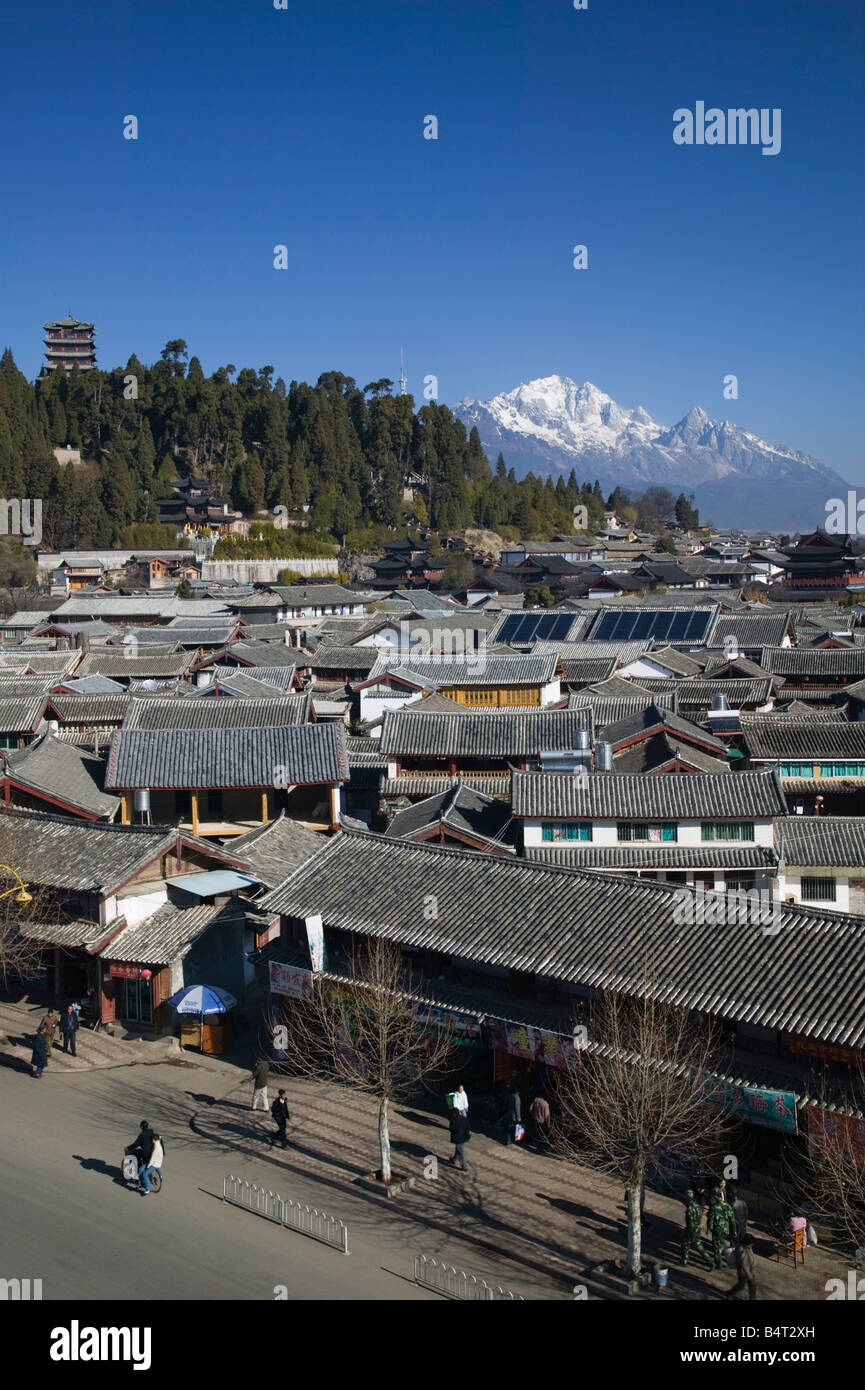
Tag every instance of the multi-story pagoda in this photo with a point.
(67, 342)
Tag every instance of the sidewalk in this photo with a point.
(535, 1208)
(19, 1022)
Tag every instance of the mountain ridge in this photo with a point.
(551, 424)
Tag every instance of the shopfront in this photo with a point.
(130, 993)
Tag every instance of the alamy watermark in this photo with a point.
(22, 517)
(732, 127)
(845, 519)
(735, 908)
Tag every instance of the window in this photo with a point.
(818, 890)
(797, 769)
(566, 830)
(728, 830)
(842, 769)
(640, 830)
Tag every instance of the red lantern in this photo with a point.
(146, 974)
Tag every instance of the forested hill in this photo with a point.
(343, 450)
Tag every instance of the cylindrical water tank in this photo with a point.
(141, 798)
(603, 757)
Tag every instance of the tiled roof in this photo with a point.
(429, 784)
(462, 809)
(607, 710)
(340, 658)
(806, 738)
(215, 713)
(697, 694)
(237, 683)
(477, 669)
(256, 654)
(585, 670)
(651, 718)
(190, 758)
(493, 733)
(169, 933)
(676, 662)
(107, 661)
(104, 710)
(56, 769)
(316, 595)
(78, 854)
(813, 661)
(276, 849)
(589, 929)
(614, 796)
(20, 714)
(822, 842)
(661, 749)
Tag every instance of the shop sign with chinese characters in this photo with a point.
(535, 1044)
(753, 1104)
(290, 980)
(466, 1029)
(125, 972)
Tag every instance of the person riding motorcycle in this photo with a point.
(143, 1145)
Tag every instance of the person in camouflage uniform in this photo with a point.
(691, 1233)
(721, 1224)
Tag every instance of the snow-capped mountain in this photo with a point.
(553, 425)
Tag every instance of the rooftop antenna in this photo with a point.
(402, 379)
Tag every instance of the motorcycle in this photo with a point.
(129, 1170)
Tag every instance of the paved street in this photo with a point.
(69, 1220)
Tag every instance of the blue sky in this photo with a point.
(304, 127)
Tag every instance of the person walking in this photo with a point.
(260, 1073)
(460, 1136)
(540, 1113)
(746, 1268)
(740, 1211)
(691, 1231)
(513, 1112)
(461, 1100)
(279, 1111)
(69, 1028)
(39, 1059)
(722, 1223)
(49, 1026)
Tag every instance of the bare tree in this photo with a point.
(23, 931)
(633, 1098)
(366, 1030)
(833, 1175)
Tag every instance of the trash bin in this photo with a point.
(661, 1275)
(450, 1099)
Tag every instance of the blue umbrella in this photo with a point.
(201, 1000)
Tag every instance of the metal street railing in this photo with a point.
(296, 1216)
(456, 1283)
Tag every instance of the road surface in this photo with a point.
(68, 1219)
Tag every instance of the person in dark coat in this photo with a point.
(513, 1113)
(746, 1268)
(143, 1146)
(69, 1027)
(279, 1111)
(39, 1060)
(460, 1135)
